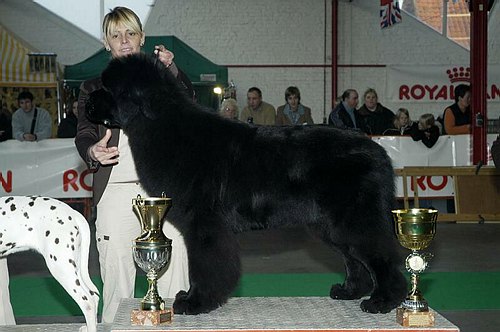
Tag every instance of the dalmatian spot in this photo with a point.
(72, 262)
(8, 200)
(31, 203)
(1, 241)
(60, 222)
(13, 207)
(56, 241)
(47, 233)
(30, 229)
(3, 213)
(25, 214)
(10, 244)
(93, 293)
(54, 258)
(1, 234)
(73, 247)
(77, 282)
(69, 218)
(85, 298)
(72, 240)
(46, 198)
(52, 207)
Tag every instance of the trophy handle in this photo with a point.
(136, 207)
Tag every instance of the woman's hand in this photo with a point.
(165, 56)
(102, 153)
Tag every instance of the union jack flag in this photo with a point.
(390, 13)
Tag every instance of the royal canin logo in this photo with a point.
(456, 75)
(460, 74)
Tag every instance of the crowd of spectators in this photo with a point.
(31, 123)
(372, 118)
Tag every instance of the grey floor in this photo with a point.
(457, 247)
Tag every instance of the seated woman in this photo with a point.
(293, 112)
(67, 127)
(426, 131)
(457, 117)
(376, 117)
(229, 109)
(402, 123)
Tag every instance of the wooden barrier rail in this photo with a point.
(477, 192)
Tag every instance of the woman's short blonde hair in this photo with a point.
(121, 15)
(229, 102)
(426, 120)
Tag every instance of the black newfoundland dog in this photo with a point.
(226, 177)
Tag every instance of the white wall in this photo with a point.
(297, 32)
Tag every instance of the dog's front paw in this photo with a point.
(377, 306)
(186, 303)
(343, 292)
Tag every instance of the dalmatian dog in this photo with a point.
(61, 235)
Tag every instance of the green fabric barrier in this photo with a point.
(31, 296)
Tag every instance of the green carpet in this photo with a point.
(444, 291)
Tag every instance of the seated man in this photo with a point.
(30, 123)
(345, 115)
(258, 111)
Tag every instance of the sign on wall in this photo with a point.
(434, 83)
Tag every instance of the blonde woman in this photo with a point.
(107, 153)
(229, 109)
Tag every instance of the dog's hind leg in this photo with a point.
(68, 275)
(390, 285)
(70, 268)
(357, 283)
(214, 267)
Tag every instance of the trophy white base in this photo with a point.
(408, 318)
(151, 318)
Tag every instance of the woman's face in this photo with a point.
(464, 101)
(371, 100)
(403, 119)
(123, 41)
(74, 108)
(229, 112)
(293, 101)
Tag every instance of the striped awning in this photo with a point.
(15, 67)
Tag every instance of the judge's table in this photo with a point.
(278, 314)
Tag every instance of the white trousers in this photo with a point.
(116, 228)
(6, 313)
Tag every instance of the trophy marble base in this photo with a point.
(151, 318)
(408, 318)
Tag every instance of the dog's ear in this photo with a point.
(100, 106)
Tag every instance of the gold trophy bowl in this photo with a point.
(415, 229)
(152, 251)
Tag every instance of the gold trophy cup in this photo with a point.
(152, 251)
(415, 229)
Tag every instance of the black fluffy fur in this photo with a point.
(227, 177)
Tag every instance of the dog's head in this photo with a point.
(132, 86)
